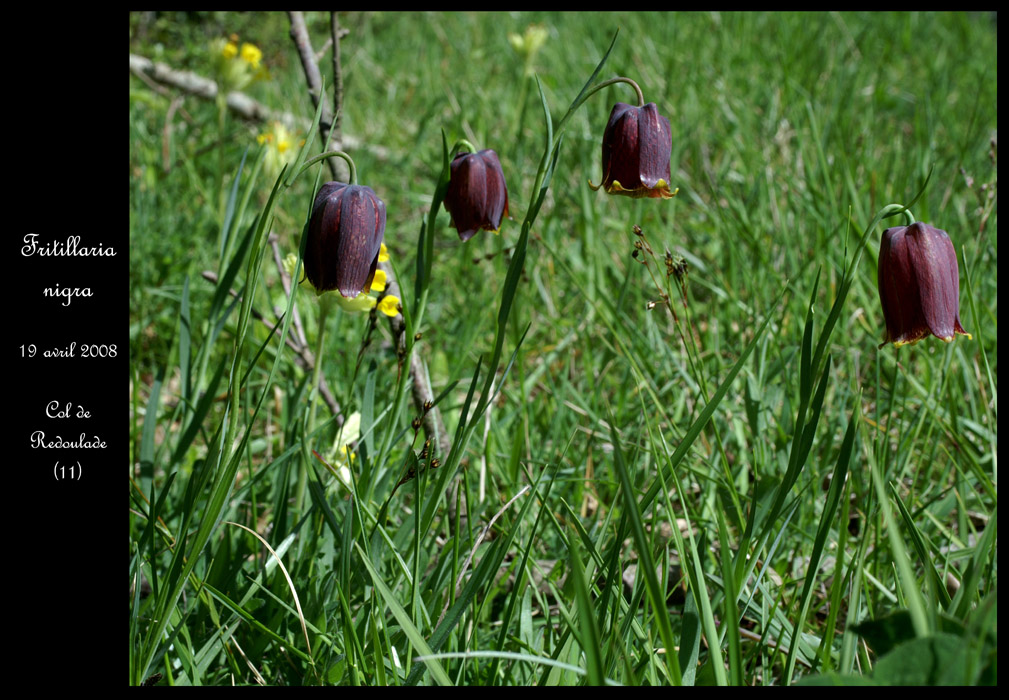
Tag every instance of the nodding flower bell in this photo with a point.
(344, 238)
(477, 197)
(637, 145)
(919, 284)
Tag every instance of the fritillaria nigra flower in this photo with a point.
(637, 145)
(919, 284)
(477, 197)
(344, 238)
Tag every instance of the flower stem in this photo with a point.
(895, 210)
(612, 81)
(463, 143)
(331, 154)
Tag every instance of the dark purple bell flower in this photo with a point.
(637, 145)
(919, 284)
(477, 197)
(344, 238)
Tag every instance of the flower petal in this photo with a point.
(344, 238)
(637, 146)
(919, 284)
(477, 196)
(389, 305)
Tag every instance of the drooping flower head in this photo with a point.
(919, 284)
(477, 197)
(344, 238)
(637, 146)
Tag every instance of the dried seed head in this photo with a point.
(676, 266)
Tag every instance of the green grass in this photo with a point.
(800, 505)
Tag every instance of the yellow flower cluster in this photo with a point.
(235, 67)
(251, 54)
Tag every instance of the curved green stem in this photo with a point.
(606, 83)
(463, 143)
(895, 210)
(331, 154)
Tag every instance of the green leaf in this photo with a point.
(837, 483)
(884, 633)
(938, 585)
(588, 631)
(295, 168)
(938, 659)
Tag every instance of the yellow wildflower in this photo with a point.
(251, 54)
(290, 262)
(378, 284)
(389, 305)
(235, 67)
(383, 254)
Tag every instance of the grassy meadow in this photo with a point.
(678, 457)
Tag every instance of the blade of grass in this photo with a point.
(646, 563)
(838, 482)
(411, 631)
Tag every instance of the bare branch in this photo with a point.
(157, 74)
(303, 43)
(322, 51)
(335, 33)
